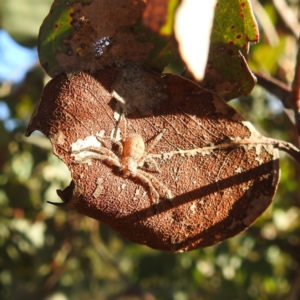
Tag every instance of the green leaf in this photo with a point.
(234, 27)
(85, 35)
(234, 24)
(56, 28)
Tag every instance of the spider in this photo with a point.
(132, 155)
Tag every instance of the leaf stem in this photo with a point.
(276, 87)
(287, 147)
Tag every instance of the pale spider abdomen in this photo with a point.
(133, 151)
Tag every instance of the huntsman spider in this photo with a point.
(132, 155)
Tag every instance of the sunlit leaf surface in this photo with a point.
(207, 177)
(234, 28)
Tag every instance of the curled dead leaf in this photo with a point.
(214, 174)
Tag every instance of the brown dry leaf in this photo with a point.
(221, 172)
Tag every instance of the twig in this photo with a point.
(289, 148)
(280, 90)
(276, 87)
(295, 92)
(288, 16)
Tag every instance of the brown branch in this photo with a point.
(276, 87)
(295, 92)
(290, 97)
(281, 91)
(289, 148)
(288, 16)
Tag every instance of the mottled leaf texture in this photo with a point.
(234, 28)
(213, 172)
(227, 71)
(86, 35)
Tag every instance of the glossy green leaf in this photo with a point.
(234, 28)
(56, 28)
(235, 24)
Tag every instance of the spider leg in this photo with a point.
(97, 150)
(156, 139)
(144, 178)
(85, 157)
(151, 162)
(151, 181)
(146, 157)
(113, 140)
